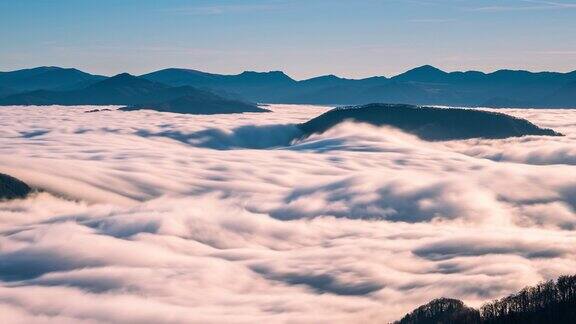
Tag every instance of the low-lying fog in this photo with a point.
(162, 218)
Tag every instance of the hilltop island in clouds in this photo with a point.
(288, 161)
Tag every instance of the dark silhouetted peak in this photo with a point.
(323, 80)
(271, 75)
(442, 310)
(335, 86)
(181, 70)
(36, 70)
(122, 77)
(429, 123)
(507, 72)
(12, 188)
(511, 75)
(25, 73)
(176, 72)
(268, 73)
(474, 73)
(45, 78)
(127, 80)
(248, 85)
(374, 78)
(465, 77)
(327, 77)
(426, 69)
(425, 73)
(182, 77)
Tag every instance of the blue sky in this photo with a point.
(303, 38)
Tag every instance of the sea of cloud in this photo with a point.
(148, 217)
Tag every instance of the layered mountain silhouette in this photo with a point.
(436, 124)
(136, 93)
(425, 85)
(548, 302)
(249, 85)
(46, 78)
(12, 188)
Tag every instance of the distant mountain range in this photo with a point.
(45, 78)
(135, 93)
(425, 85)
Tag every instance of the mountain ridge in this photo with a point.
(423, 85)
(46, 78)
(136, 93)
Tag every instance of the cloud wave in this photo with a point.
(161, 218)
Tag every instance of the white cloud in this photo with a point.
(229, 218)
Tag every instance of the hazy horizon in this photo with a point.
(302, 38)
